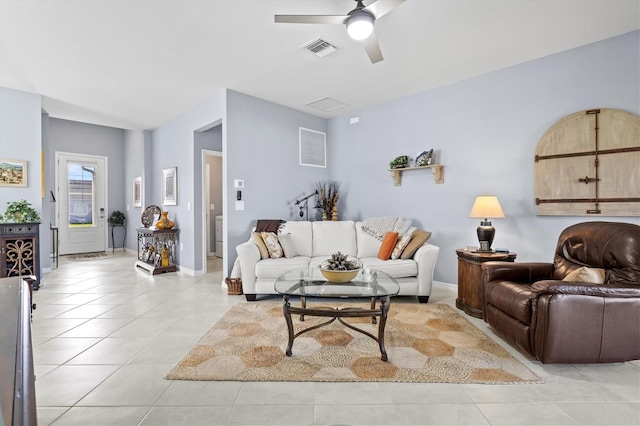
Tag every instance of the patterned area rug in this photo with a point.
(88, 256)
(425, 343)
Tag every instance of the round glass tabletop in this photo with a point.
(311, 283)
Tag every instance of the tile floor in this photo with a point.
(104, 335)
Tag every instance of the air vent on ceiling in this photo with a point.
(320, 47)
(327, 104)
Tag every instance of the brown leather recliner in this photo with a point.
(571, 322)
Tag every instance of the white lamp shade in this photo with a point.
(360, 25)
(486, 206)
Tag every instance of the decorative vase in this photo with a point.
(165, 255)
(164, 222)
(324, 215)
(334, 213)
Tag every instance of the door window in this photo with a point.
(82, 191)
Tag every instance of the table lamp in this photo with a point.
(485, 207)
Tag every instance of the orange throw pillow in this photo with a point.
(388, 243)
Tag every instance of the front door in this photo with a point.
(81, 187)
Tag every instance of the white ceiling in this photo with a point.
(138, 64)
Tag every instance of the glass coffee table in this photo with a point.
(368, 284)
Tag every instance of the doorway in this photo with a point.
(213, 209)
(81, 182)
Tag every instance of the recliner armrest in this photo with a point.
(523, 272)
(584, 289)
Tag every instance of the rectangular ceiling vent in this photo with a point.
(327, 104)
(320, 47)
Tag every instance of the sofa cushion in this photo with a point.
(418, 238)
(273, 245)
(300, 234)
(258, 241)
(368, 245)
(333, 236)
(402, 243)
(273, 268)
(388, 243)
(396, 268)
(288, 246)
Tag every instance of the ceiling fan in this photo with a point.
(359, 23)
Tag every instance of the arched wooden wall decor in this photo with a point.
(588, 163)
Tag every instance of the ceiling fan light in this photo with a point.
(360, 25)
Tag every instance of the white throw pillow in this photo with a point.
(288, 246)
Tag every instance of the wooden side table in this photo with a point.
(470, 293)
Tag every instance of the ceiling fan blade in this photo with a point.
(372, 47)
(310, 19)
(380, 8)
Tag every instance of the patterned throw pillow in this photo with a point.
(388, 243)
(257, 239)
(402, 243)
(272, 243)
(288, 246)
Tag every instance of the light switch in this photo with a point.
(239, 205)
(189, 206)
(212, 207)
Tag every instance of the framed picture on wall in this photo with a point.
(170, 186)
(137, 192)
(13, 172)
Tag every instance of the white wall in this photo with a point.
(484, 131)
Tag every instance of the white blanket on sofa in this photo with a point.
(378, 226)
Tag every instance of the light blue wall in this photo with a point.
(173, 146)
(133, 168)
(20, 139)
(262, 149)
(91, 139)
(484, 131)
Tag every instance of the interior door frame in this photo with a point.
(58, 154)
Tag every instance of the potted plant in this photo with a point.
(20, 212)
(117, 218)
(399, 162)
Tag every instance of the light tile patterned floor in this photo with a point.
(105, 334)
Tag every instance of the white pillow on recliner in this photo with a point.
(586, 275)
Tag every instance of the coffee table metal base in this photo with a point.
(336, 313)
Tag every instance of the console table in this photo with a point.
(151, 242)
(19, 251)
(470, 292)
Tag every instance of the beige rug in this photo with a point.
(425, 343)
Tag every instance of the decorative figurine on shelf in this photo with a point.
(424, 158)
(164, 222)
(165, 255)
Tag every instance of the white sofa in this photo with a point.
(316, 241)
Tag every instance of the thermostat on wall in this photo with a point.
(238, 183)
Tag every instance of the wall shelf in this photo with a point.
(436, 169)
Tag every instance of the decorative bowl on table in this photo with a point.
(339, 276)
(338, 269)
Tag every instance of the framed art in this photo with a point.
(137, 192)
(13, 172)
(170, 186)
